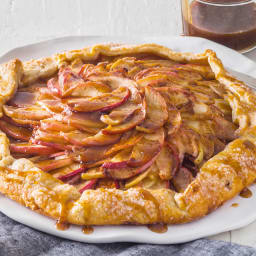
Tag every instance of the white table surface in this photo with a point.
(28, 21)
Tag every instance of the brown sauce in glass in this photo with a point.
(62, 225)
(246, 193)
(158, 228)
(233, 26)
(87, 230)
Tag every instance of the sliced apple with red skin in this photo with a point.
(176, 96)
(182, 179)
(105, 102)
(137, 117)
(84, 139)
(27, 113)
(89, 185)
(155, 71)
(67, 80)
(12, 122)
(23, 99)
(147, 148)
(90, 89)
(88, 70)
(31, 149)
(89, 122)
(46, 93)
(51, 139)
(62, 153)
(70, 175)
(49, 165)
(53, 86)
(165, 163)
(15, 132)
(115, 165)
(125, 142)
(54, 145)
(54, 137)
(26, 123)
(120, 114)
(52, 106)
(53, 125)
(91, 154)
(128, 172)
(156, 114)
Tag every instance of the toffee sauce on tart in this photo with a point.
(121, 122)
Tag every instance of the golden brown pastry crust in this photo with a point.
(219, 179)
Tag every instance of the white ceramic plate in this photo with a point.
(223, 219)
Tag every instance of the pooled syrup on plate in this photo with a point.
(87, 230)
(234, 204)
(246, 193)
(62, 225)
(158, 228)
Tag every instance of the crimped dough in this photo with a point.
(218, 180)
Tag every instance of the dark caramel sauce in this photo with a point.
(233, 26)
(158, 228)
(246, 193)
(234, 204)
(62, 225)
(87, 230)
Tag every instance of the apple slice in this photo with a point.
(182, 179)
(49, 165)
(90, 155)
(31, 149)
(46, 93)
(104, 102)
(165, 163)
(62, 153)
(70, 175)
(54, 137)
(98, 70)
(15, 132)
(146, 148)
(52, 106)
(53, 125)
(53, 86)
(89, 185)
(51, 139)
(25, 123)
(67, 80)
(155, 71)
(120, 114)
(54, 145)
(137, 117)
(27, 113)
(23, 99)
(156, 109)
(125, 143)
(84, 139)
(115, 165)
(89, 122)
(90, 89)
(12, 122)
(128, 172)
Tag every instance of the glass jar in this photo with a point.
(228, 22)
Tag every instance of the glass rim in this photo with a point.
(228, 3)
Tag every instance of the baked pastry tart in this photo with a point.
(119, 134)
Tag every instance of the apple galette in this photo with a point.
(117, 134)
